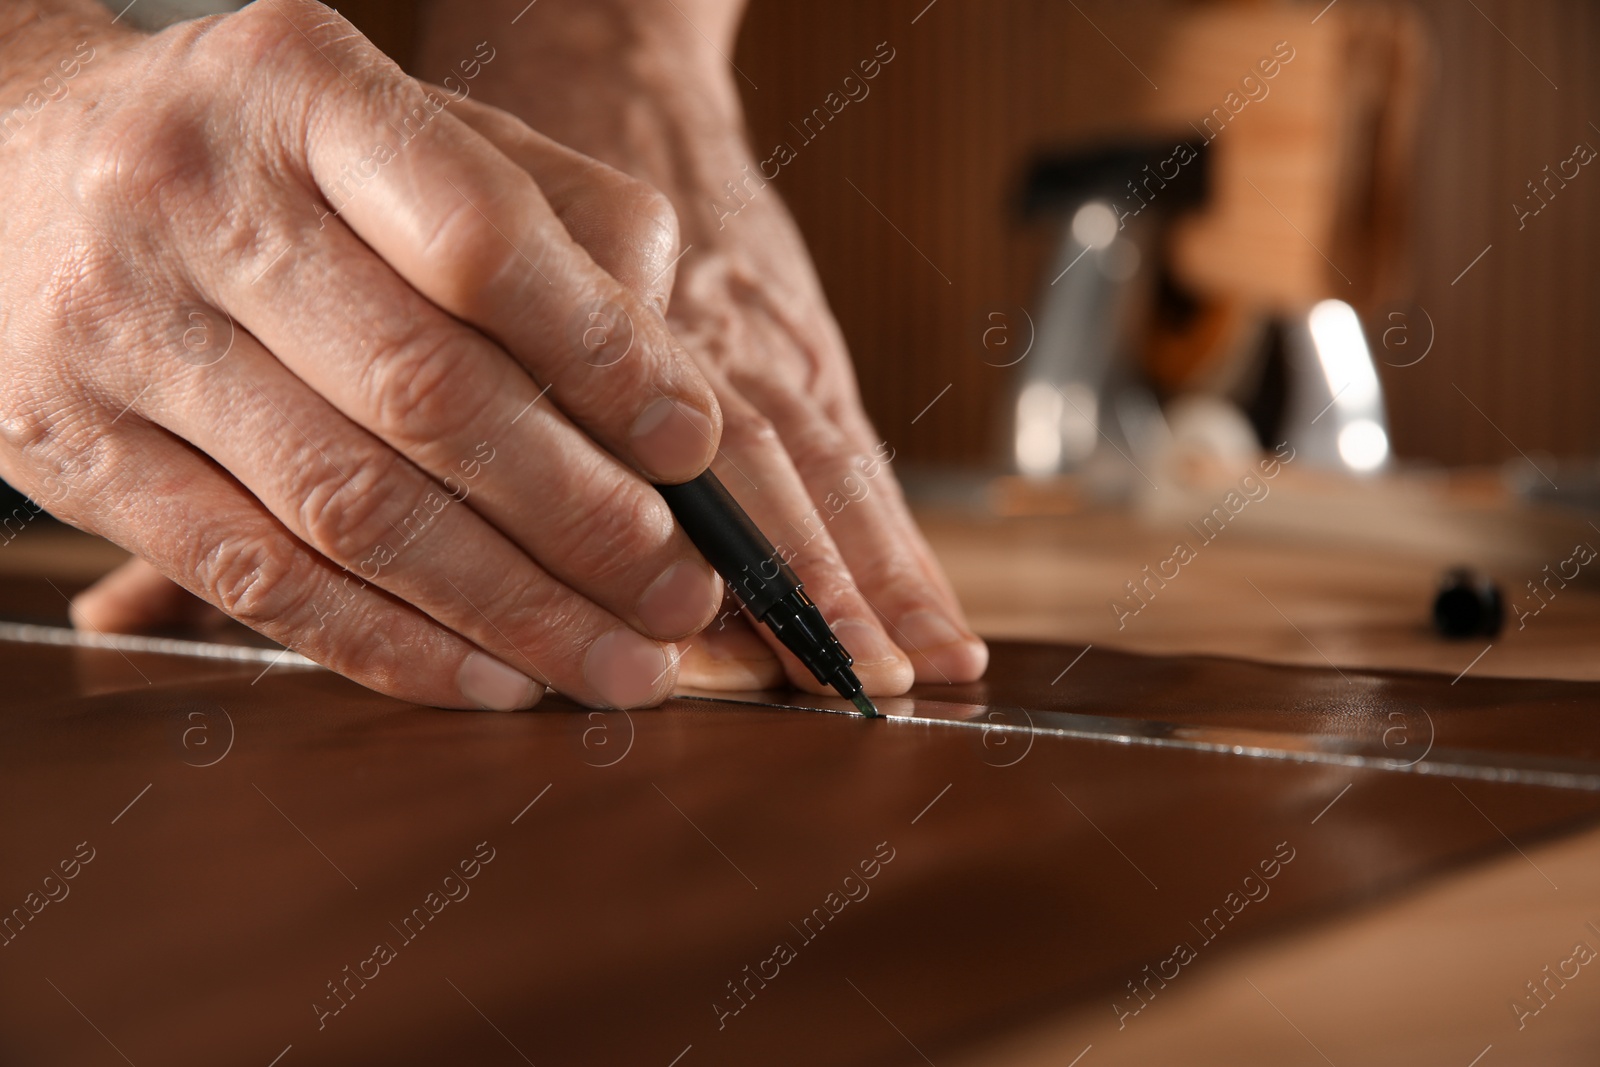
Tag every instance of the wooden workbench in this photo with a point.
(255, 833)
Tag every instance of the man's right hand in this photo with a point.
(411, 438)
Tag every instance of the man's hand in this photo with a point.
(288, 325)
(645, 86)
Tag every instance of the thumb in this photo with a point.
(138, 599)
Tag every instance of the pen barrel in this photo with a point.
(731, 542)
(796, 622)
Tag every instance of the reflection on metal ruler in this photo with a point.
(1480, 764)
(27, 633)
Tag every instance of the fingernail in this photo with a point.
(865, 643)
(672, 440)
(628, 670)
(681, 601)
(925, 630)
(493, 686)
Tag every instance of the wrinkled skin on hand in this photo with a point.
(309, 338)
(644, 87)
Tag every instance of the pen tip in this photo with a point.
(866, 707)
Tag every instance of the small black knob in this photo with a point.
(1467, 605)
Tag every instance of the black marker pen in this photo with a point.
(764, 584)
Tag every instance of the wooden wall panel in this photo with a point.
(937, 147)
(1517, 333)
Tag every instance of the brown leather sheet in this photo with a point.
(279, 861)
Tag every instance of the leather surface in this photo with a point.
(293, 821)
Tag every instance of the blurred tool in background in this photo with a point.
(1176, 314)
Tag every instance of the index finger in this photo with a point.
(470, 230)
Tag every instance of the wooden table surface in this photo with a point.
(1320, 572)
(1435, 973)
(647, 866)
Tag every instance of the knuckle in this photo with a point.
(534, 622)
(158, 159)
(749, 432)
(608, 534)
(826, 470)
(58, 463)
(252, 579)
(649, 216)
(419, 388)
(84, 292)
(32, 430)
(249, 39)
(343, 514)
(139, 163)
(829, 581)
(821, 454)
(269, 36)
(628, 226)
(365, 650)
(470, 257)
(293, 63)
